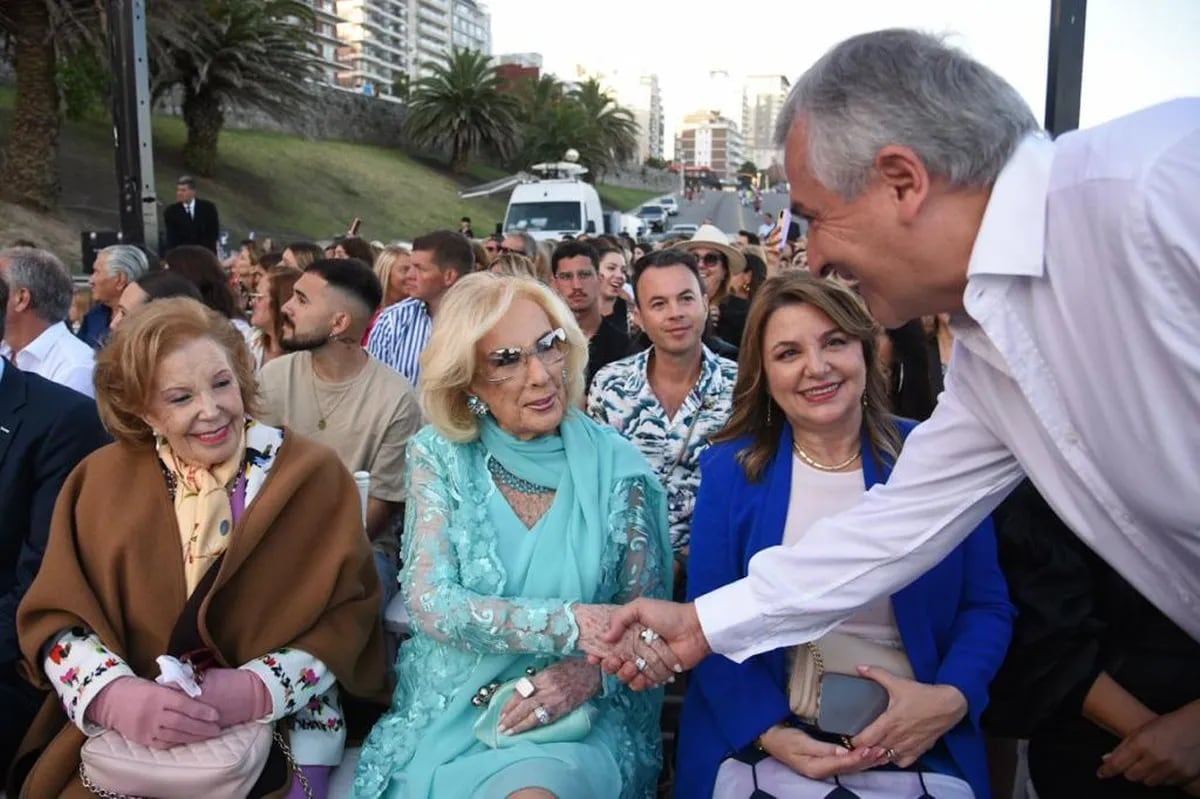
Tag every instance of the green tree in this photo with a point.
(250, 53)
(614, 125)
(748, 168)
(459, 107)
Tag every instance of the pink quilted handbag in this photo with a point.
(223, 767)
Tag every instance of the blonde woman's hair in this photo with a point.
(385, 262)
(470, 309)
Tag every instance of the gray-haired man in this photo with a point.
(37, 338)
(115, 268)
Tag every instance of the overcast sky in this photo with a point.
(1137, 52)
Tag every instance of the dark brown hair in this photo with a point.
(359, 248)
(126, 367)
(280, 281)
(200, 265)
(756, 414)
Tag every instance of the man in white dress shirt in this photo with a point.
(1072, 271)
(37, 338)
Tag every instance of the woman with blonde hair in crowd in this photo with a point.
(212, 565)
(391, 267)
(522, 512)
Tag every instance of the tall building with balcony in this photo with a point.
(325, 28)
(374, 51)
(378, 41)
(708, 140)
(640, 93)
(765, 96)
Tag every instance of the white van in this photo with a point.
(556, 205)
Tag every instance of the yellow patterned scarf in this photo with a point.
(202, 507)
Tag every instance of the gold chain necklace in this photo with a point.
(804, 456)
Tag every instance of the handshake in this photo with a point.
(645, 643)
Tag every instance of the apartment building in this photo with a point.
(708, 140)
(641, 94)
(765, 96)
(376, 42)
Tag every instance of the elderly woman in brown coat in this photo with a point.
(234, 547)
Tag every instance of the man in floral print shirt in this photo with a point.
(669, 399)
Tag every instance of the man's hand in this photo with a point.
(1166, 751)
(916, 717)
(815, 759)
(677, 625)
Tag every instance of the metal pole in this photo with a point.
(131, 122)
(1064, 73)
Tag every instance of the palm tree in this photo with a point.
(615, 125)
(556, 129)
(251, 53)
(30, 173)
(536, 96)
(459, 105)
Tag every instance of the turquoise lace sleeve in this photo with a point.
(642, 557)
(435, 578)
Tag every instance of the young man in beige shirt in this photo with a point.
(330, 389)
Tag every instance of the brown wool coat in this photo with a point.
(299, 572)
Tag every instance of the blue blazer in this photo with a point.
(955, 621)
(45, 431)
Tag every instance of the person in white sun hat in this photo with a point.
(718, 263)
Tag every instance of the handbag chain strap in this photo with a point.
(301, 777)
(819, 664)
(96, 789)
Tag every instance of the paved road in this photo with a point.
(724, 209)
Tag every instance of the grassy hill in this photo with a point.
(282, 186)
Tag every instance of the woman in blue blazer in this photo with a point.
(810, 432)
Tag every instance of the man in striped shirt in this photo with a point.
(400, 334)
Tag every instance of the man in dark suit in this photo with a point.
(191, 220)
(45, 430)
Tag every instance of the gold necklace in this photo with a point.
(804, 456)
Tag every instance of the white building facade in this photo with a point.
(379, 43)
(764, 99)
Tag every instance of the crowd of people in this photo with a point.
(218, 482)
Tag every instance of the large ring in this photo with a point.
(649, 636)
(525, 687)
(890, 754)
(640, 663)
(542, 715)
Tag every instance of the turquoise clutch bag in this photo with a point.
(572, 727)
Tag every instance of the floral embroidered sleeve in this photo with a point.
(79, 665)
(294, 678)
(643, 564)
(637, 563)
(434, 580)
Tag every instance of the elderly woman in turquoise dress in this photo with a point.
(525, 519)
